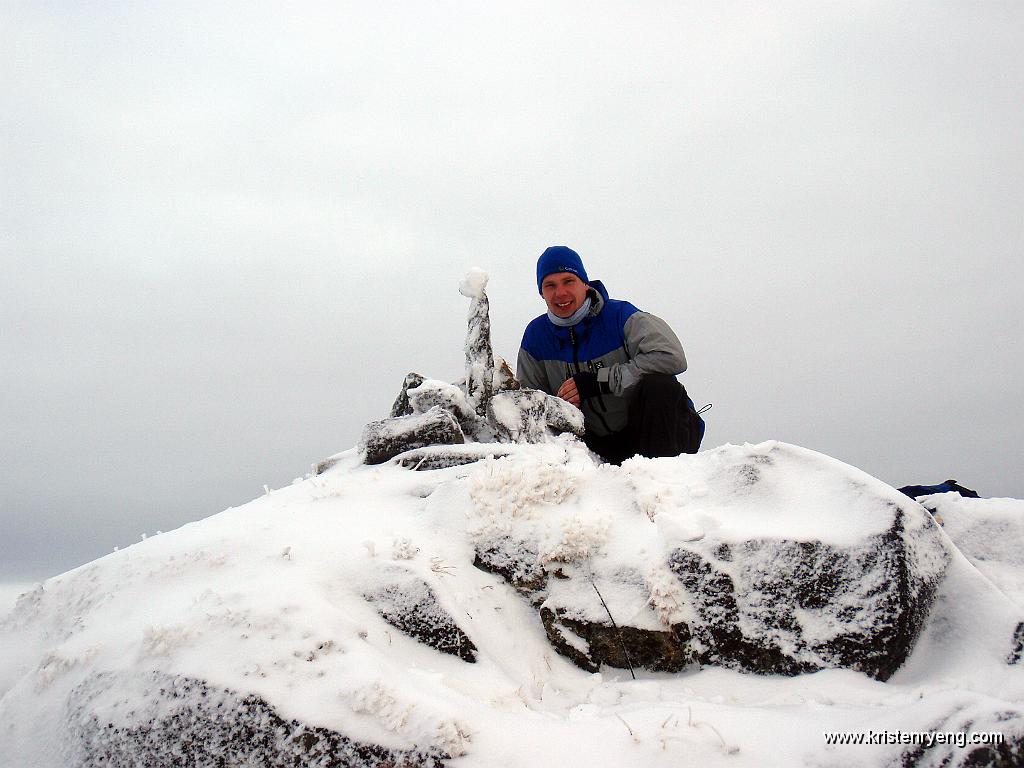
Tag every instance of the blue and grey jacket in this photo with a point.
(617, 341)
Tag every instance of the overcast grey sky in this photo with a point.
(227, 230)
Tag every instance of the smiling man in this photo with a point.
(612, 361)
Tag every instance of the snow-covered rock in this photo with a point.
(385, 439)
(408, 603)
(290, 631)
(766, 558)
(126, 720)
(479, 353)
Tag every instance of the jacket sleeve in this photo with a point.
(652, 346)
(530, 372)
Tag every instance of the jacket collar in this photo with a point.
(598, 295)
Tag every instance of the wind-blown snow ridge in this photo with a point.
(284, 603)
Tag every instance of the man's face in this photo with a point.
(564, 293)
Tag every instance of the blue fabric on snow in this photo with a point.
(914, 491)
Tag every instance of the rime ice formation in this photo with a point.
(487, 406)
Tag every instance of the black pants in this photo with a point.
(661, 422)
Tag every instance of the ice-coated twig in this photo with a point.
(729, 750)
(627, 727)
(437, 565)
(618, 634)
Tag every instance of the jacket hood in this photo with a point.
(601, 298)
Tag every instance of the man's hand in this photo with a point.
(582, 386)
(569, 393)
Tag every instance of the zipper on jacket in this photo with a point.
(600, 398)
(576, 364)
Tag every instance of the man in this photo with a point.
(612, 361)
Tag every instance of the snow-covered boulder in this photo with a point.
(125, 720)
(767, 558)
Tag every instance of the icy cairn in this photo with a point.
(487, 406)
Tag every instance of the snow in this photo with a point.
(990, 533)
(715, 495)
(270, 598)
(10, 591)
(439, 393)
(474, 283)
(506, 412)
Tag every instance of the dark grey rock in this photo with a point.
(563, 417)
(515, 562)
(325, 464)
(786, 607)
(624, 647)
(187, 722)
(586, 643)
(401, 405)
(529, 416)
(383, 440)
(769, 606)
(408, 603)
(432, 393)
(1016, 645)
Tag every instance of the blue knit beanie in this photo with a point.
(559, 258)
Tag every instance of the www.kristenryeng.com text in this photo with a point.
(923, 738)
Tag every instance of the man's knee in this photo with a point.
(659, 387)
